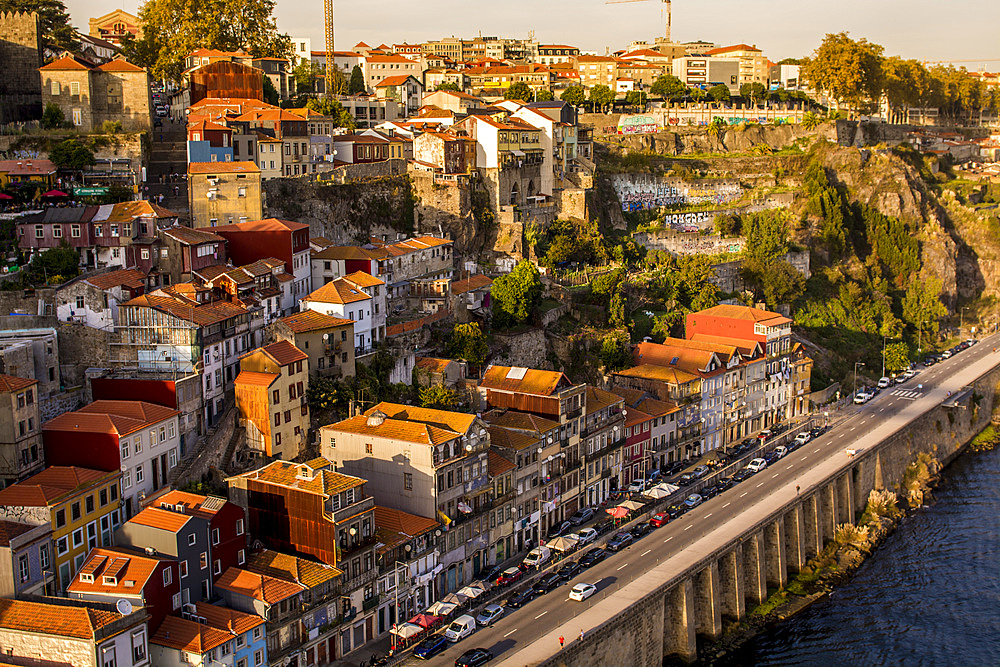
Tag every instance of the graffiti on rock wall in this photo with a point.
(649, 193)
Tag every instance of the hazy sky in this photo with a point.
(922, 29)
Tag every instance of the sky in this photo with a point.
(928, 30)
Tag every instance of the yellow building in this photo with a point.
(82, 505)
(224, 193)
(754, 66)
(271, 399)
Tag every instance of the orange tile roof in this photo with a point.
(394, 81)
(656, 407)
(131, 278)
(67, 62)
(739, 313)
(729, 49)
(51, 619)
(256, 379)
(189, 636)
(362, 279)
(119, 417)
(265, 225)
(127, 211)
(308, 573)
(522, 421)
(225, 618)
(284, 353)
(747, 348)
(532, 381)
(204, 314)
(343, 252)
(685, 358)
(510, 439)
(498, 465)
(131, 572)
(338, 291)
(285, 473)
(477, 281)
(257, 586)
(725, 351)
(598, 399)
(635, 416)
(395, 429)
(10, 383)
(52, 485)
(433, 364)
(197, 168)
(192, 236)
(11, 529)
(198, 505)
(311, 320)
(394, 527)
(119, 65)
(157, 517)
(668, 374)
(458, 422)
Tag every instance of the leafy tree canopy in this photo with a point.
(544, 95)
(516, 294)
(574, 95)
(719, 92)
(334, 109)
(520, 91)
(602, 96)
(669, 87)
(468, 342)
(357, 83)
(447, 85)
(71, 154)
(438, 397)
(53, 117)
(849, 70)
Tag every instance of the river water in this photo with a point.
(930, 595)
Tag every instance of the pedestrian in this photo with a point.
(177, 191)
(562, 640)
(796, 489)
(581, 634)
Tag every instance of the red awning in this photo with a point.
(55, 193)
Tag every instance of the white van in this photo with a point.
(538, 557)
(460, 628)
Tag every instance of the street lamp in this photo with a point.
(856, 364)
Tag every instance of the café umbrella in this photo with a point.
(55, 193)
(455, 598)
(630, 505)
(656, 493)
(666, 486)
(471, 591)
(564, 543)
(406, 630)
(441, 608)
(424, 620)
(618, 512)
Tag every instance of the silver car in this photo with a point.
(490, 614)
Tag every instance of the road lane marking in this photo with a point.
(803, 458)
(514, 630)
(622, 567)
(644, 553)
(788, 468)
(708, 515)
(668, 539)
(774, 475)
(816, 451)
(726, 505)
(540, 615)
(760, 485)
(743, 494)
(689, 527)
(854, 427)
(862, 423)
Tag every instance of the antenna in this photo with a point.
(124, 607)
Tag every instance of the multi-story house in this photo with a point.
(596, 70)
(706, 71)
(227, 535)
(247, 630)
(420, 257)
(209, 636)
(501, 540)
(256, 239)
(25, 559)
(408, 555)
(262, 286)
(444, 473)
(670, 383)
(554, 54)
(21, 450)
(325, 339)
(70, 632)
(663, 427)
(32, 353)
(358, 297)
(90, 95)
(376, 68)
(147, 581)
(635, 455)
(453, 100)
(82, 506)
(300, 602)
(754, 66)
(404, 89)
(271, 399)
(288, 129)
(309, 510)
(139, 439)
(520, 439)
(602, 440)
(223, 193)
(93, 300)
(494, 80)
(443, 150)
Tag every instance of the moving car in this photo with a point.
(581, 592)
(693, 501)
(460, 628)
(620, 541)
(474, 658)
(547, 583)
(593, 557)
(489, 615)
(521, 598)
(430, 647)
(537, 557)
(756, 465)
(586, 536)
(659, 519)
(510, 576)
(582, 515)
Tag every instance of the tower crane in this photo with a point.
(330, 66)
(666, 9)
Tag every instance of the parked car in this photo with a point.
(586, 536)
(781, 451)
(863, 397)
(581, 592)
(582, 515)
(742, 474)
(817, 431)
(620, 541)
(489, 615)
(430, 647)
(700, 472)
(593, 557)
(521, 598)
(511, 575)
(778, 428)
(537, 557)
(765, 435)
(930, 360)
(547, 583)
(474, 658)
(569, 570)
(653, 475)
(693, 501)
(686, 478)
(709, 492)
(637, 486)
(884, 382)
(659, 519)
(460, 628)
(756, 465)
(560, 529)
(676, 510)
(802, 438)
(724, 483)
(640, 530)
(492, 574)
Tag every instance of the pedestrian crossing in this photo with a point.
(907, 394)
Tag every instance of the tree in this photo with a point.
(305, 75)
(55, 265)
(849, 71)
(335, 110)
(669, 87)
(636, 98)
(766, 234)
(177, 27)
(719, 93)
(468, 342)
(544, 95)
(601, 96)
(754, 92)
(574, 95)
(727, 225)
(614, 353)
(696, 94)
(57, 33)
(357, 85)
(139, 52)
(516, 294)
(897, 357)
(922, 307)
(53, 117)
(270, 92)
(519, 90)
(71, 154)
(810, 121)
(779, 281)
(448, 85)
(436, 396)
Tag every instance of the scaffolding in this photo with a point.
(150, 340)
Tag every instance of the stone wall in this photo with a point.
(80, 347)
(21, 55)
(527, 348)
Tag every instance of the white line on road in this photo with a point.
(862, 423)
(545, 612)
(743, 494)
(760, 485)
(816, 451)
(854, 427)
(510, 633)
(803, 458)
(708, 515)
(788, 467)
(726, 505)
(668, 539)
(644, 553)
(621, 567)
(689, 527)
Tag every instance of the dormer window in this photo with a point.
(87, 578)
(109, 581)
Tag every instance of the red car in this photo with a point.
(659, 519)
(509, 576)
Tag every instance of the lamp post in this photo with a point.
(856, 364)
(961, 320)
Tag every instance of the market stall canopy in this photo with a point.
(55, 193)
(564, 543)
(407, 630)
(424, 620)
(441, 608)
(630, 505)
(618, 512)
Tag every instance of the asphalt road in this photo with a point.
(514, 638)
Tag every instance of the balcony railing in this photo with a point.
(371, 602)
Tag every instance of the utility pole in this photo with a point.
(856, 364)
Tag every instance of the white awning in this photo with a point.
(518, 153)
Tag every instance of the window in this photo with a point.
(241, 192)
(144, 253)
(215, 536)
(77, 537)
(43, 556)
(258, 657)
(176, 599)
(62, 546)
(103, 497)
(217, 567)
(241, 557)
(108, 656)
(127, 479)
(57, 231)
(23, 568)
(170, 430)
(39, 231)
(172, 458)
(277, 419)
(192, 539)
(138, 474)
(90, 503)
(168, 577)
(239, 526)
(408, 481)
(60, 518)
(276, 396)
(138, 646)
(138, 444)
(75, 510)
(368, 448)
(183, 567)
(163, 434)
(288, 416)
(55, 88)
(203, 560)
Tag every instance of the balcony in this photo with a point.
(371, 602)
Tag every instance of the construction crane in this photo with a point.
(330, 66)
(666, 9)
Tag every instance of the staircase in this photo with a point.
(213, 450)
(168, 156)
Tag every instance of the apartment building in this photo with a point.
(210, 635)
(82, 505)
(706, 71)
(93, 301)
(271, 399)
(596, 71)
(21, 451)
(25, 559)
(255, 239)
(326, 340)
(555, 54)
(754, 67)
(602, 440)
(223, 193)
(358, 297)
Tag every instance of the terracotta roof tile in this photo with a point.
(362, 279)
(11, 529)
(498, 465)
(434, 365)
(737, 313)
(10, 383)
(157, 517)
(190, 236)
(67, 62)
(284, 353)
(522, 421)
(256, 379)
(311, 320)
(471, 283)
(688, 359)
(257, 586)
(338, 291)
(303, 476)
(395, 429)
(198, 505)
(222, 168)
(225, 618)
(204, 314)
(131, 572)
(189, 636)
(105, 416)
(394, 80)
(131, 278)
(52, 485)
(308, 573)
(668, 374)
(747, 348)
(50, 619)
(598, 399)
(524, 380)
(510, 439)
(458, 422)
(127, 211)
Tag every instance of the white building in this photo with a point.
(359, 297)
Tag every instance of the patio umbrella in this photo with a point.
(471, 591)
(564, 543)
(424, 620)
(455, 598)
(630, 505)
(656, 493)
(3, 196)
(669, 488)
(617, 512)
(441, 608)
(406, 630)
(55, 193)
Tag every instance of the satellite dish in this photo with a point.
(124, 607)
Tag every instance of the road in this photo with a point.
(529, 635)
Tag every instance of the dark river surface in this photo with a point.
(930, 595)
